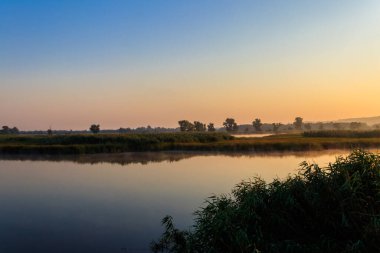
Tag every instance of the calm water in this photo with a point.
(103, 203)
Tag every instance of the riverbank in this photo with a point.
(117, 143)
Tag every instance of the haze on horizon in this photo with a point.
(67, 64)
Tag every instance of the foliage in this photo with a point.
(257, 125)
(95, 128)
(298, 122)
(337, 126)
(308, 126)
(185, 126)
(230, 125)
(343, 134)
(8, 130)
(211, 127)
(179, 141)
(357, 125)
(107, 143)
(276, 127)
(335, 209)
(199, 126)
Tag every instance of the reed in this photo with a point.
(117, 143)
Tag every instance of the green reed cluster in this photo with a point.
(103, 143)
(333, 209)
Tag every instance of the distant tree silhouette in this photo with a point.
(257, 125)
(355, 125)
(308, 126)
(8, 130)
(210, 127)
(95, 128)
(186, 126)
(320, 126)
(276, 127)
(199, 126)
(230, 125)
(49, 131)
(5, 130)
(298, 122)
(338, 126)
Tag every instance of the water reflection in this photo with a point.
(157, 157)
(104, 203)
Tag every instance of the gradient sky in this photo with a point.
(68, 64)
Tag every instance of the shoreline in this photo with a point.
(175, 142)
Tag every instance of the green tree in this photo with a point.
(211, 127)
(186, 126)
(199, 126)
(230, 125)
(257, 125)
(95, 128)
(298, 122)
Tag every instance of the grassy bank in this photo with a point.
(335, 209)
(103, 143)
(343, 134)
(116, 143)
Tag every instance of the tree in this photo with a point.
(308, 126)
(298, 123)
(210, 127)
(49, 131)
(257, 125)
(276, 127)
(355, 125)
(199, 126)
(95, 128)
(338, 126)
(185, 126)
(320, 126)
(230, 125)
(6, 130)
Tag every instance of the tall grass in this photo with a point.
(343, 134)
(336, 209)
(116, 143)
(103, 143)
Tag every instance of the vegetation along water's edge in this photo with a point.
(117, 143)
(333, 209)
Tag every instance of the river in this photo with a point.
(115, 203)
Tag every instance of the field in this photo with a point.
(116, 143)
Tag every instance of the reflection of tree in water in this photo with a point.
(157, 157)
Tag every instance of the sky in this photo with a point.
(123, 63)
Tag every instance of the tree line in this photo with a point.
(229, 125)
(9, 130)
